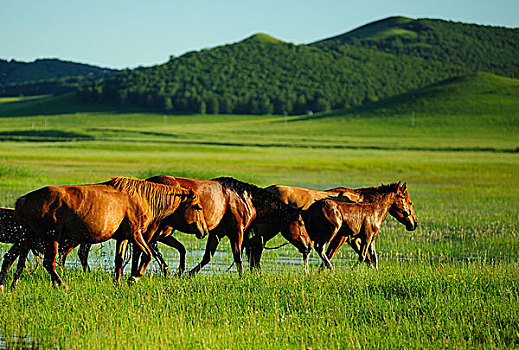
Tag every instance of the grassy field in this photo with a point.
(453, 283)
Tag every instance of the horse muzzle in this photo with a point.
(201, 233)
(411, 226)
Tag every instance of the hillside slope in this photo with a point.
(478, 47)
(476, 95)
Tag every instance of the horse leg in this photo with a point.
(236, 246)
(210, 248)
(254, 251)
(63, 251)
(156, 254)
(254, 246)
(319, 248)
(372, 254)
(49, 262)
(174, 243)
(333, 247)
(120, 252)
(20, 267)
(363, 249)
(136, 255)
(84, 250)
(145, 258)
(9, 258)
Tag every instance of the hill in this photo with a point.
(46, 76)
(476, 95)
(478, 47)
(262, 75)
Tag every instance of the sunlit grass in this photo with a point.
(405, 304)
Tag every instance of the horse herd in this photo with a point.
(56, 219)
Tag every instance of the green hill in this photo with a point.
(45, 76)
(480, 94)
(261, 75)
(478, 47)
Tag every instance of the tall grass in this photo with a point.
(406, 305)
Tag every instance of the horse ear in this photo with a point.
(404, 186)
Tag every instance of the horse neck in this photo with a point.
(382, 205)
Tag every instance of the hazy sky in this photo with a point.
(128, 33)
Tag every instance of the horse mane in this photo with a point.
(339, 189)
(259, 196)
(158, 196)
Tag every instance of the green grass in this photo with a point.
(450, 284)
(404, 305)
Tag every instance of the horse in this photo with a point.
(296, 197)
(121, 209)
(230, 206)
(358, 223)
(302, 198)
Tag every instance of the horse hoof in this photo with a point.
(2, 289)
(132, 280)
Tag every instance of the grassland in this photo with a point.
(453, 283)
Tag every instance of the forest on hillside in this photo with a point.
(46, 76)
(263, 76)
(478, 47)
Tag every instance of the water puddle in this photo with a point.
(23, 342)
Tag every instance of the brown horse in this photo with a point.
(358, 223)
(121, 209)
(296, 197)
(230, 206)
(302, 198)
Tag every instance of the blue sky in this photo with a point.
(128, 33)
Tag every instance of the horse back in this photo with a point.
(299, 197)
(84, 210)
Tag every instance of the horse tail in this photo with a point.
(279, 246)
(20, 203)
(304, 215)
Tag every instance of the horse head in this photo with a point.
(296, 231)
(193, 214)
(402, 208)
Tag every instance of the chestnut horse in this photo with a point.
(359, 223)
(230, 206)
(302, 198)
(121, 209)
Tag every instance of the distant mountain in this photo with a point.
(46, 76)
(478, 47)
